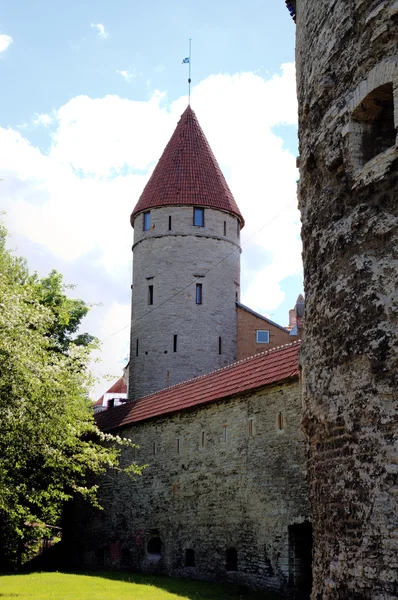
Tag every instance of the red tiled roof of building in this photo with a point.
(274, 366)
(187, 173)
(117, 388)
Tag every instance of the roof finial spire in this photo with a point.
(187, 60)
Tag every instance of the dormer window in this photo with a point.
(147, 220)
(199, 217)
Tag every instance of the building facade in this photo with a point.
(224, 495)
(348, 191)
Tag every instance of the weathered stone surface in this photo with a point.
(221, 476)
(348, 202)
(174, 261)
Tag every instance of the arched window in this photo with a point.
(231, 560)
(154, 546)
(189, 557)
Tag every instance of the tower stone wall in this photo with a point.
(174, 261)
(347, 70)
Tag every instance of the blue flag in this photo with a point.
(186, 60)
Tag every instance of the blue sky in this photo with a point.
(94, 91)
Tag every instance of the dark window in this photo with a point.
(136, 347)
(280, 421)
(170, 223)
(231, 560)
(111, 403)
(154, 448)
(150, 294)
(219, 345)
(125, 557)
(189, 557)
(202, 439)
(225, 228)
(376, 114)
(154, 546)
(262, 336)
(147, 220)
(199, 295)
(199, 217)
(250, 428)
(178, 445)
(175, 343)
(237, 227)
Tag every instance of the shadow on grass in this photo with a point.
(189, 588)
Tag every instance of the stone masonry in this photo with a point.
(174, 262)
(347, 80)
(224, 481)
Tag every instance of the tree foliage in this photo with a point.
(49, 443)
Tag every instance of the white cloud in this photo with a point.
(128, 75)
(43, 119)
(5, 42)
(74, 202)
(101, 31)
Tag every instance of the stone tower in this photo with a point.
(347, 70)
(186, 271)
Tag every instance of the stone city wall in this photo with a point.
(347, 70)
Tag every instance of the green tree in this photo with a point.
(49, 443)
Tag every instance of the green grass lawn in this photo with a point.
(115, 586)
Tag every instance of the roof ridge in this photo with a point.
(221, 369)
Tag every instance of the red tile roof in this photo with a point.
(117, 388)
(274, 366)
(187, 173)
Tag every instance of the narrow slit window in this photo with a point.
(154, 448)
(199, 293)
(178, 445)
(280, 421)
(225, 228)
(174, 343)
(136, 347)
(225, 433)
(170, 223)
(202, 439)
(147, 220)
(237, 227)
(219, 345)
(250, 428)
(199, 217)
(150, 294)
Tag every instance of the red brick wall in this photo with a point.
(248, 323)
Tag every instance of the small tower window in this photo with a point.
(136, 347)
(170, 223)
(219, 345)
(199, 217)
(174, 343)
(178, 445)
(250, 427)
(150, 294)
(154, 448)
(155, 546)
(225, 228)
(199, 294)
(147, 220)
(237, 227)
(225, 433)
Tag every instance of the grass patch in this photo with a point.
(116, 586)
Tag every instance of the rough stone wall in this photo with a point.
(248, 324)
(173, 262)
(213, 484)
(347, 69)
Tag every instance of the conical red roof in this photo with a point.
(187, 173)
